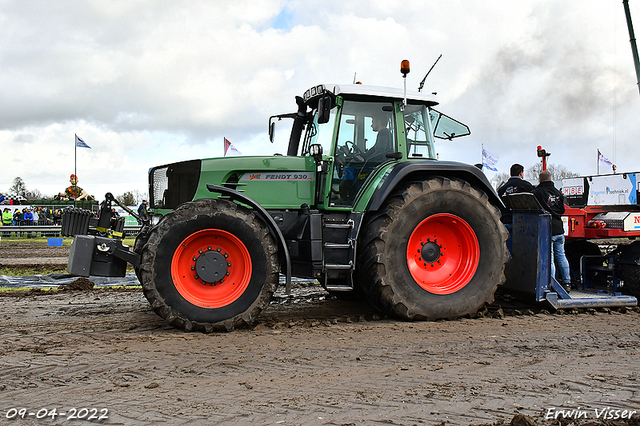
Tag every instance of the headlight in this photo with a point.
(315, 150)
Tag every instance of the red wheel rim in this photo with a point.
(233, 268)
(443, 254)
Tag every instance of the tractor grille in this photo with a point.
(159, 182)
(173, 184)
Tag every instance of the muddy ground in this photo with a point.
(21, 255)
(312, 360)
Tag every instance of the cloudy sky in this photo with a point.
(148, 82)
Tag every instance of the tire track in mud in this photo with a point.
(311, 360)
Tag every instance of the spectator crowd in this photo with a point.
(25, 216)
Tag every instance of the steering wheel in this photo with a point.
(353, 149)
(349, 153)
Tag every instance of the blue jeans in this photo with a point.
(557, 253)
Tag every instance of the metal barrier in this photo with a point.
(52, 230)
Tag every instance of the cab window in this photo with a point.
(366, 133)
(419, 140)
(320, 133)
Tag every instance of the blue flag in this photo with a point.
(489, 160)
(80, 143)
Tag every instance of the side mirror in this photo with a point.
(324, 108)
(272, 130)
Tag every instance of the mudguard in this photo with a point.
(262, 213)
(404, 170)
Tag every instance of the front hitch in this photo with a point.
(97, 247)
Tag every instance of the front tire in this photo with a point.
(138, 246)
(210, 265)
(436, 249)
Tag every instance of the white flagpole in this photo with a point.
(75, 160)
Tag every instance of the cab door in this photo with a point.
(364, 134)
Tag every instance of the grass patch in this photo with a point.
(43, 291)
(40, 270)
(66, 241)
(33, 240)
(23, 289)
(122, 287)
(34, 270)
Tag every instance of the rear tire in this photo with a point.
(436, 249)
(210, 265)
(630, 273)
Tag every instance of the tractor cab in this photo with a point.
(354, 131)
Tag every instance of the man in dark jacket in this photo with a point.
(142, 211)
(552, 201)
(515, 184)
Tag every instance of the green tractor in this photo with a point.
(360, 203)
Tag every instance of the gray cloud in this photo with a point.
(148, 82)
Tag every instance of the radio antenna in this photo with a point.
(425, 77)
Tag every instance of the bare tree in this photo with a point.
(18, 189)
(558, 172)
(139, 196)
(500, 178)
(34, 194)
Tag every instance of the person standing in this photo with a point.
(552, 201)
(28, 220)
(56, 216)
(7, 218)
(17, 218)
(27, 217)
(514, 185)
(142, 212)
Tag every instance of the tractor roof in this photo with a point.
(370, 91)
